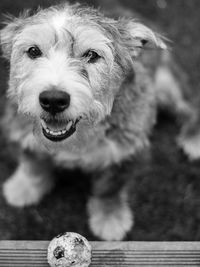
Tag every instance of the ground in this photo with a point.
(165, 191)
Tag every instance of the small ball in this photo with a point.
(69, 249)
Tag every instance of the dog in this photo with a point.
(84, 90)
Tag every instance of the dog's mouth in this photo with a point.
(58, 130)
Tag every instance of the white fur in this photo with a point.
(25, 188)
(101, 157)
(166, 85)
(191, 146)
(59, 21)
(29, 142)
(108, 222)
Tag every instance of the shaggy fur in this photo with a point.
(113, 102)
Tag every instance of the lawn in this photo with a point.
(165, 189)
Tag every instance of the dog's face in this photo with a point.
(67, 65)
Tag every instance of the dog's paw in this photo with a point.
(109, 224)
(190, 146)
(20, 190)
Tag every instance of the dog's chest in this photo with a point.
(101, 155)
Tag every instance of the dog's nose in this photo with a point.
(54, 101)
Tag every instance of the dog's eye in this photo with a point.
(91, 56)
(34, 52)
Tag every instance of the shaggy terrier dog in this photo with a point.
(83, 92)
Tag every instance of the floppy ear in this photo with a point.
(141, 37)
(7, 34)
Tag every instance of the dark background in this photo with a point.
(165, 191)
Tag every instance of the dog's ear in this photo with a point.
(12, 26)
(138, 37)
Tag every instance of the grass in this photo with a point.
(164, 191)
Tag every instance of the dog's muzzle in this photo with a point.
(54, 127)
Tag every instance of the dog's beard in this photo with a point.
(76, 135)
(78, 139)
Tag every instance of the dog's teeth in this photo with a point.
(51, 132)
(56, 132)
(43, 124)
(69, 125)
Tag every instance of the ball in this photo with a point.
(69, 249)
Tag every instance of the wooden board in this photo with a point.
(111, 254)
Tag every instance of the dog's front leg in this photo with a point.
(30, 182)
(110, 216)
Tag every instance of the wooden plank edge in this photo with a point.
(130, 245)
